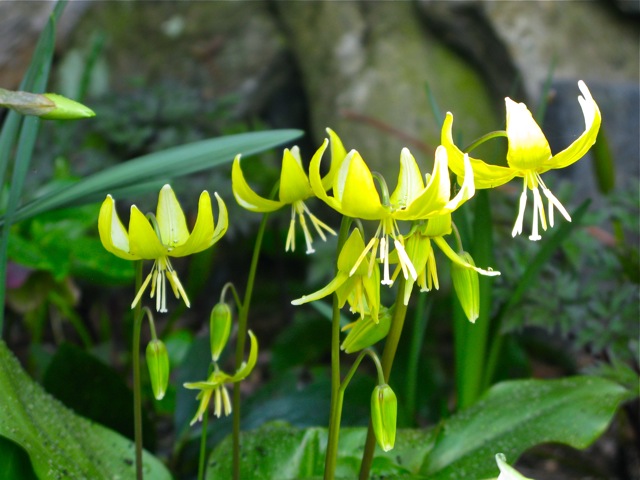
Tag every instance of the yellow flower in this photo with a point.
(215, 385)
(160, 237)
(360, 288)
(293, 190)
(354, 194)
(420, 251)
(528, 156)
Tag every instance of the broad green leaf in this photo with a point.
(280, 452)
(516, 415)
(157, 167)
(512, 417)
(60, 443)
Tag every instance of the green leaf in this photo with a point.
(60, 443)
(512, 417)
(516, 415)
(14, 462)
(157, 167)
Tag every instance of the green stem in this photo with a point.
(135, 352)
(203, 438)
(331, 454)
(484, 138)
(421, 319)
(388, 355)
(243, 315)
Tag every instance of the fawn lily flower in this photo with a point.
(361, 288)
(355, 195)
(529, 156)
(215, 385)
(294, 189)
(420, 251)
(160, 237)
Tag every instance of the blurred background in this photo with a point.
(381, 74)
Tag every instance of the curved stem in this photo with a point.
(243, 314)
(135, 352)
(484, 138)
(388, 355)
(331, 453)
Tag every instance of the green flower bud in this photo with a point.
(384, 410)
(66, 109)
(158, 364)
(219, 328)
(365, 331)
(466, 285)
(49, 106)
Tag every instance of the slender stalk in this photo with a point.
(331, 454)
(203, 439)
(135, 352)
(388, 355)
(243, 315)
(421, 319)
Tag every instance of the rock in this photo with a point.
(365, 68)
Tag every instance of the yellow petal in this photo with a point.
(467, 189)
(528, 147)
(583, 143)
(294, 184)
(353, 187)
(434, 196)
(143, 240)
(328, 289)
(245, 196)
(112, 233)
(316, 181)
(171, 221)
(202, 235)
(338, 152)
(484, 174)
(246, 368)
(410, 182)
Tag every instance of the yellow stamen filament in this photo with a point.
(160, 272)
(300, 208)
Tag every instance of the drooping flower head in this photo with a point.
(160, 237)
(354, 194)
(293, 190)
(215, 385)
(421, 252)
(360, 288)
(528, 156)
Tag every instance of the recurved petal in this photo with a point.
(245, 196)
(113, 235)
(435, 195)
(316, 181)
(467, 189)
(338, 152)
(202, 234)
(246, 368)
(143, 240)
(294, 184)
(354, 188)
(528, 147)
(583, 143)
(410, 182)
(460, 261)
(171, 221)
(328, 289)
(350, 251)
(485, 175)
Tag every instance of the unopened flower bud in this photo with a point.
(49, 106)
(66, 109)
(466, 285)
(158, 364)
(384, 410)
(219, 328)
(365, 331)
